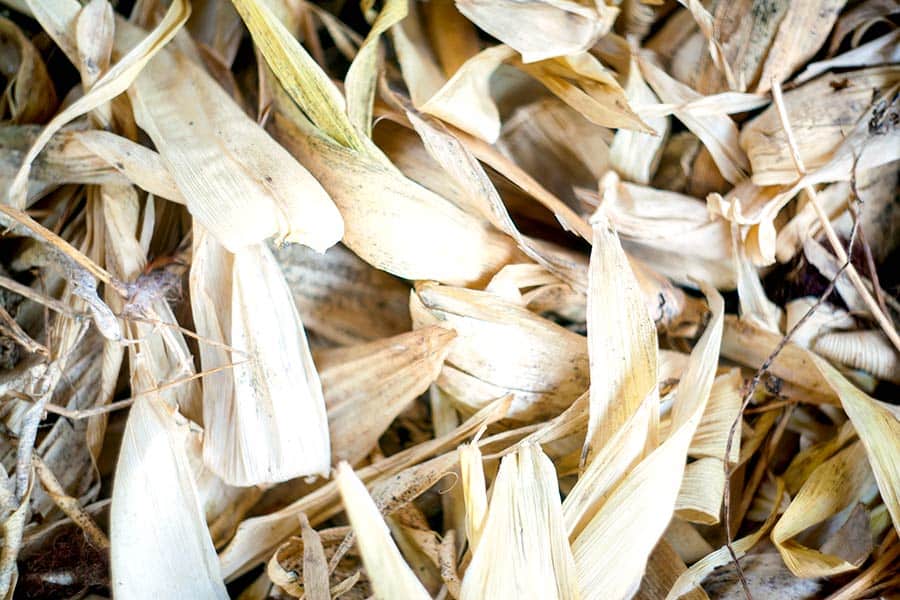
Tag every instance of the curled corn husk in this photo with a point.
(878, 429)
(866, 350)
(833, 486)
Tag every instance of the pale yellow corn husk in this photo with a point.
(671, 232)
(700, 496)
(359, 85)
(503, 348)
(341, 298)
(801, 32)
(835, 485)
(446, 244)
(755, 306)
(878, 429)
(524, 525)
(464, 100)
(273, 392)
(621, 342)
(723, 406)
(750, 345)
(819, 127)
(867, 350)
(391, 577)
(542, 29)
(634, 154)
(367, 386)
(171, 554)
(717, 132)
(581, 81)
(471, 472)
(136, 163)
(250, 188)
(610, 561)
(808, 460)
(825, 319)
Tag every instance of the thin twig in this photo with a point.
(48, 301)
(85, 413)
(11, 329)
(65, 247)
(69, 505)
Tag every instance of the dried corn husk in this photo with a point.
(691, 578)
(367, 386)
(271, 195)
(503, 348)
(801, 32)
(341, 298)
(717, 132)
(671, 232)
(561, 148)
(659, 475)
(390, 575)
(621, 343)
(581, 81)
(59, 20)
(256, 538)
(878, 429)
(836, 484)
(866, 350)
(273, 392)
(542, 29)
(31, 97)
(524, 524)
(818, 126)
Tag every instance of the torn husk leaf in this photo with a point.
(391, 576)
(524, 524)
(271, 390)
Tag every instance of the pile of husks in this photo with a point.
(452, 299)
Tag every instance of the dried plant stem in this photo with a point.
(48, 301)
(10, 328)
(883, 320)
(85, 413)
(64, 247)
(69, 505)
